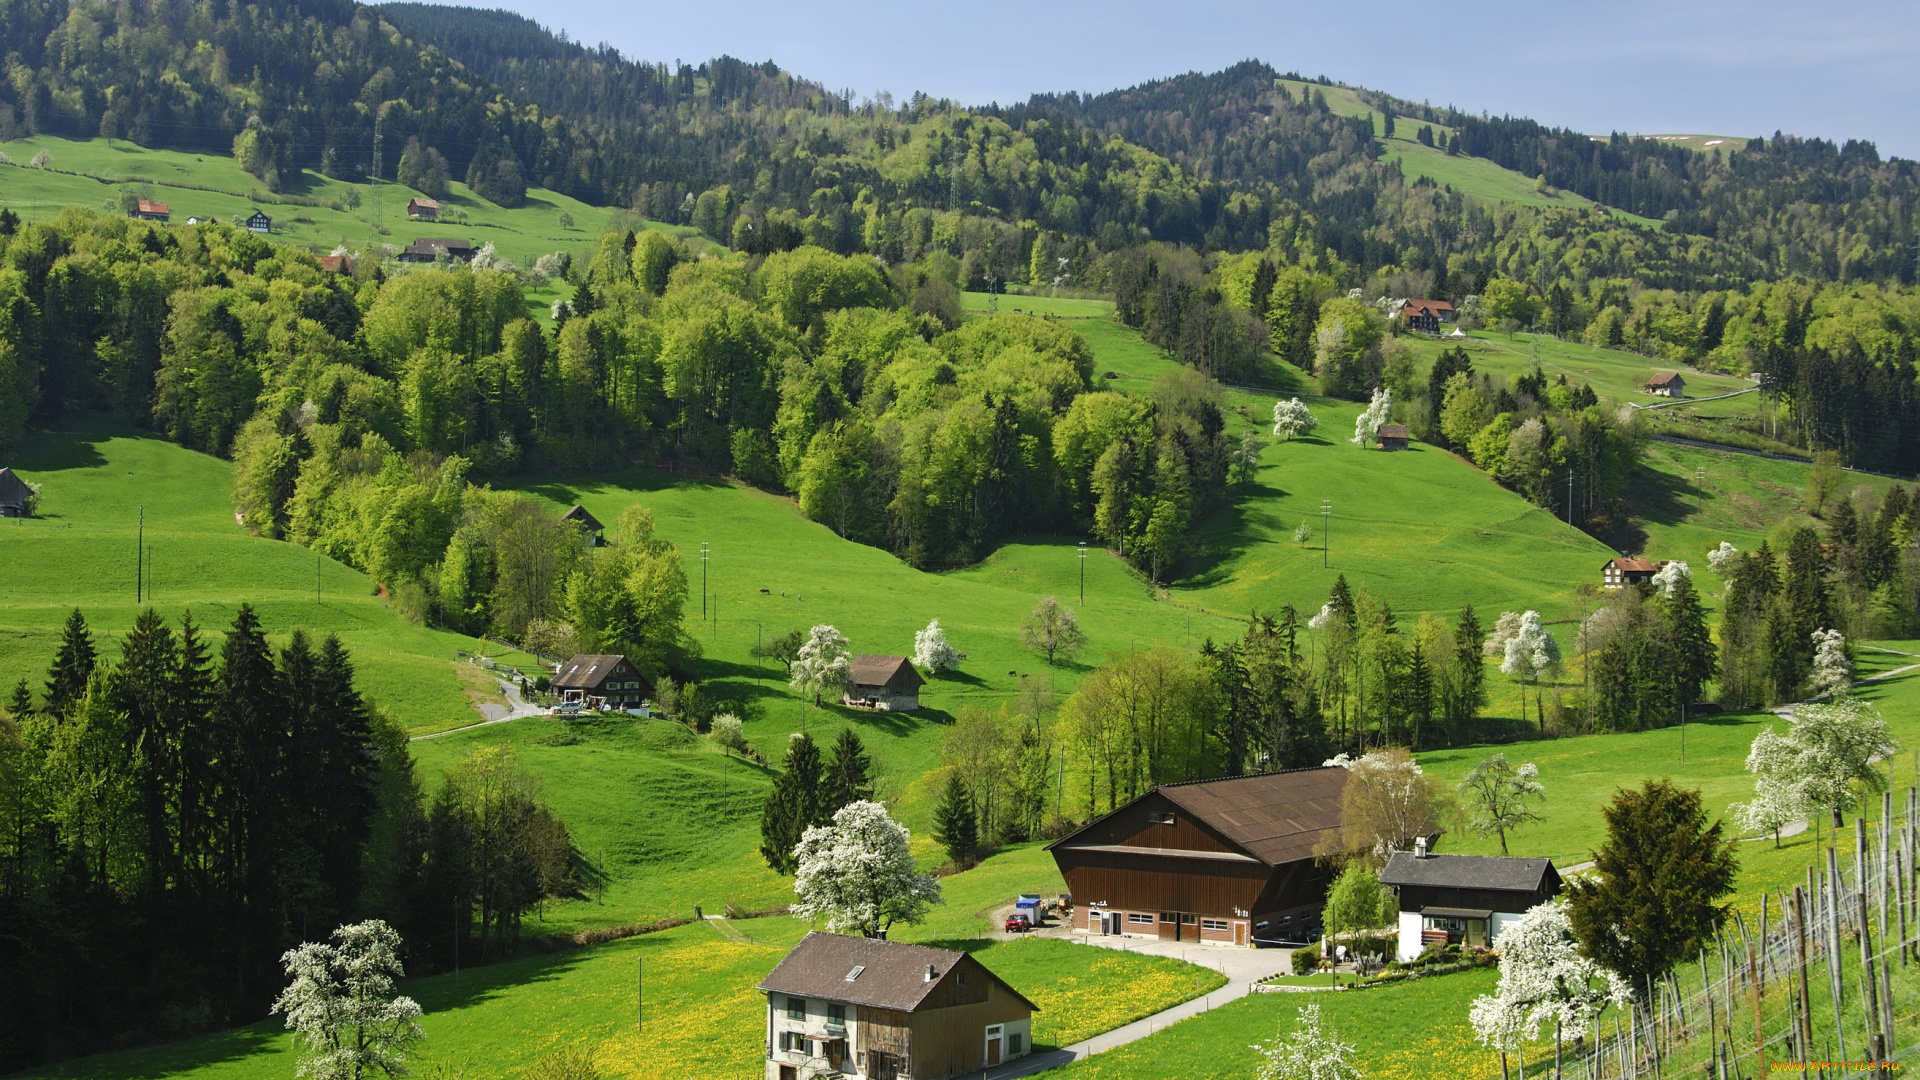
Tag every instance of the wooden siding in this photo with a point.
(885, 1030)
(1160, 883)
(1136, 828)
(952, 1041)
(1417, 897)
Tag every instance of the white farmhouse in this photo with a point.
(1462, 899)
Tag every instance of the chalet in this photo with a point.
(594, 679)
(1391, 437)
(259, 222)
(148, 210)
(423, 209)
(1668, 385)
(16, 497)
(1217, 862)
(1424, 315)
(884, 682)
(588, 524)
(429, 249)
(883, 1010)
(1462, 899)
(1629, 570)
(336, 264)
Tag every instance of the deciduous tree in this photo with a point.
(859, 874)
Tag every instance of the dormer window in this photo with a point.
(1159, 818)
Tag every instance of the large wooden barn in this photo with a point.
(1221, 862)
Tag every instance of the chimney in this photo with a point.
(1419, 847)
(932, 974)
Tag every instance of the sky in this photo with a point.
(1715, 67)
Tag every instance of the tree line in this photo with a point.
(174, 817)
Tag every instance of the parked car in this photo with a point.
(566, 708)
(1017, 924)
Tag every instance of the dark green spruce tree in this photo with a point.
(794, 803)
(72, 665)
(955, 824)
(1690, 647)
(20, 702)
(850, 774)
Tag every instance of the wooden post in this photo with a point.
(1804, 1013)
(1869, 979)
(1762, 971)
(1753, 994)
(1834, 981)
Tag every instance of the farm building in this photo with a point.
(594, 679)
(429, 249)
(1218, 862)
(1629, 570)
(1391, 437)
(423, 209)
(148, 210)
(1424, 315)
(588, 524)
(840, 1006)
(336, 264)
(884, 682)
(1462, 899)
(259, 222)
(1668, 385)
(16, 497)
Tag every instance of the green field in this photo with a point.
(1471, 176)
(311, 211)
(81, 552)
(701, 1015)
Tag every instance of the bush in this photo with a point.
(1306, 961)
(575, 1064)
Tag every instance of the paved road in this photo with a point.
(516, 708)
(1242, 967)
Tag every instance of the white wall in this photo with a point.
(1501, 920)
(1410, 926)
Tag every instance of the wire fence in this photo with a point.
(1808, 987)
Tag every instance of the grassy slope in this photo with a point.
(81, 553)
(1476, 177)
(702, 1016)
(89, 172)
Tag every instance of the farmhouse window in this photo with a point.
(1189, 918)
(837, 1015)
(1160, 819)
(1214, 924)
(796, 1008)
(1145, 920)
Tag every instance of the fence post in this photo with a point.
(1834, 981)
(1804, 1012)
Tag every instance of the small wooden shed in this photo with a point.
(15, 496)
(589, 524)
(423, 209)
(1668, 385)
(149, 210)
(884, 682)
(1391, 437)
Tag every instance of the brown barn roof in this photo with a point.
(148, 206)
(335, 264)
(1667, 379)
(870, 972)
(1276, 817)
(583, 516)
(12, 488)
(1430, 307)
(1391, 431)
(1469, 872)
(586, 671)
(1634, 564)
(423, 201)
(871, 670)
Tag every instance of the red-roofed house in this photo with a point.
(1629, 570)
(148, 210)
(1424, 315)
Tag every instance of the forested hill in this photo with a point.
(760, 159)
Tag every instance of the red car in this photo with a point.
(1017, 924)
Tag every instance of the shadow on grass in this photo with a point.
(53, 451)
(1228, 533)
(1653, 496)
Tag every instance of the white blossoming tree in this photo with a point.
(932, 652)
(1530, 653)
(859, 875)
(1376, 414)
(1323, 618)
(1668, 577)
(1779, 798)
(1544, 978)
(1503, 631)
(1292, 419)
(1832, 669)
(341, 1004)
(824, 663)
(1720, 559)
(1310, 1052)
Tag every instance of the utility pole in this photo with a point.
(703, 581)
(1326, 521)
(1569, 494)
(1083, 573)
(140, 558)
(993, 295)
(1700, 487)
(316, 579)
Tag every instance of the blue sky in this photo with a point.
(1709, 66)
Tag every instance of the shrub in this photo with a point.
(577, 1064)
(1306, 961)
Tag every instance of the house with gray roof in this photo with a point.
(594, 680)
(884, 1010)
(1463, 899)
(888, 683)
